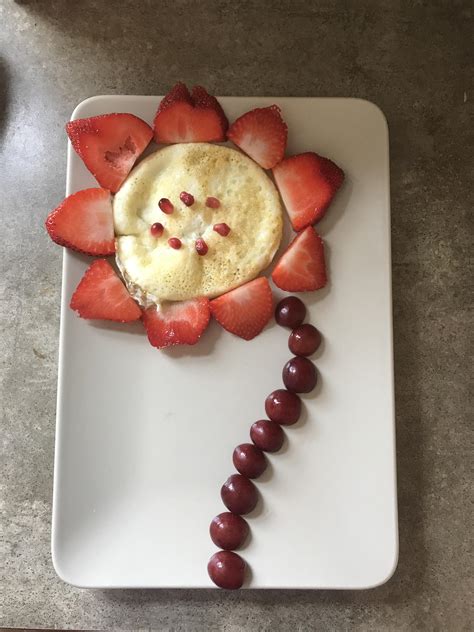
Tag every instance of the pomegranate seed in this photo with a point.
(201, 246)
(212, 202)
(186, 198)
(174, 242)
(157, 229)
(222, 229)
(166, 206)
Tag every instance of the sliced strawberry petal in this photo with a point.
(307, 184)
(204, 101)
(179, 92)
(101, 295)
(109, 145)
(246, 310)
(262, 134)
(189, 118)
(180, 323)
(302, 267)
(84, 222)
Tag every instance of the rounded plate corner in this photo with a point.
(59, 569)
(387, 574)
(88, 103)
(376, 109)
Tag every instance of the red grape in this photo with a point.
(290, 312)
(267, 435)
(304, 340)
(228, 530)
(249, 460)
(227, 570)
(283, 407)
(239, 494)
(299, 375)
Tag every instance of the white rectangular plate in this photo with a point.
(144, 438)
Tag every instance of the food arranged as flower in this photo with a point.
(195, 220)
(193, 227)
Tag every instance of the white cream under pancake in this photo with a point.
(249, 204)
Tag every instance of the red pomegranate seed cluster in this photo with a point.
(167, 207)
(239, 494)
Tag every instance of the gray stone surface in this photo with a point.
(414, 59)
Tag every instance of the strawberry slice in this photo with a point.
(109, 145)
(180, 323)
(301, 267)
(185, 117)
(262, 134)
(307, 184)
(84, 222)
(246, 310)
(202, 100)
(101, 295)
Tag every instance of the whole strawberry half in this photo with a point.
(84, 222)
(246, 310)
(262, 134)
(109, 145)
(101, 295)
(302, 267)
(180, 323)
(307, 184)
(189, 117)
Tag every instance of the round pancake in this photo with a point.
(249, 204)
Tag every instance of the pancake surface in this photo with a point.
(249, 205)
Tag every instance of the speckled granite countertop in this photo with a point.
(414, 61)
